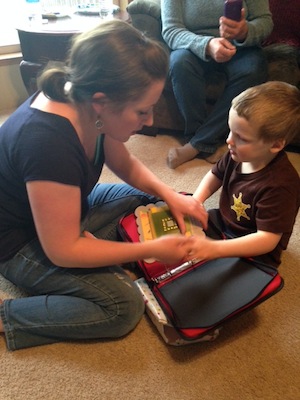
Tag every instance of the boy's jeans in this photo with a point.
(66, 303)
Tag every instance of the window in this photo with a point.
(8, 22)
(13, 13)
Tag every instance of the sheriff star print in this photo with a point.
(239, 207)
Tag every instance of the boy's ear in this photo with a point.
(278, 145)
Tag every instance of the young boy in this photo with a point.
(260, 194)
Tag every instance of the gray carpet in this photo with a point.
(255, 357)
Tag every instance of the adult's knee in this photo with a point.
(182, 63)
(254, 67)
(132, 311)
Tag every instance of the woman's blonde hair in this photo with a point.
(113, 58)
(273, 107)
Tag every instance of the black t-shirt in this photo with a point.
(267, 200)
(36, 145)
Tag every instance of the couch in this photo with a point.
(283, 64)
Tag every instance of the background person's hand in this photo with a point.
(233, 30)
(220, 50)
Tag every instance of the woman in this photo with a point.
(202, 40)
(58, 225)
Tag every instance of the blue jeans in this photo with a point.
(66, 303)
(205, 132)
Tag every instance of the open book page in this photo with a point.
(156, 220)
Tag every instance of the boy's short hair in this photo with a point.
(273, 107)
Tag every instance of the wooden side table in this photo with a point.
(51, 42)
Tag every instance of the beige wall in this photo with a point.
(13, 91)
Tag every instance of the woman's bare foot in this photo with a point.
(132, 275)
(131, 270)
(180, 155)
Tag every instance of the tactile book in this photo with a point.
(155, 220)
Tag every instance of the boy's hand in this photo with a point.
(201, 248)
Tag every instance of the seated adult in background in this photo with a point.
(202, 39)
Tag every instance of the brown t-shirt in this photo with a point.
(267, 200)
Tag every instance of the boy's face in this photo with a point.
(243, 142)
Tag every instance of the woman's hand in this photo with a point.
(181, 205)
(233, 30)
(172, 249)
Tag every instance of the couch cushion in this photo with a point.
(149, 7)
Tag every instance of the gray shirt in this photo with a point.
(191, 24)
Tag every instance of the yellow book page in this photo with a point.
(155, 220)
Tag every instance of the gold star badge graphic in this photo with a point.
(239, 207)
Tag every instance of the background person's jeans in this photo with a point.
(205, 132)
(68, 303)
